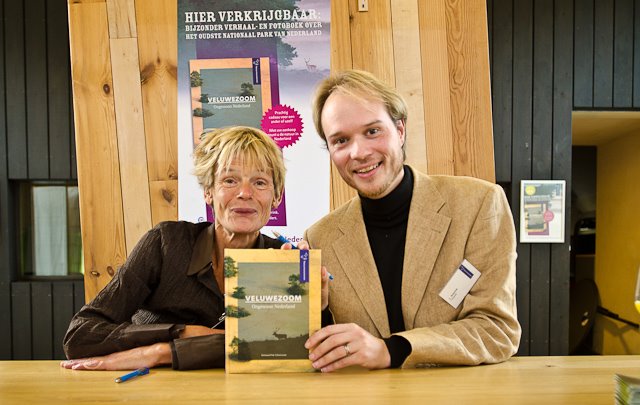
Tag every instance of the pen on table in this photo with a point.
(285, 240)
(133, 374)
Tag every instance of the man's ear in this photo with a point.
(208, 196)
(401, 130)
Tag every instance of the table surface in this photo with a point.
(521, 380)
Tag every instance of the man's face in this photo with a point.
(364, 143)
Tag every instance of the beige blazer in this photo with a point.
(450, 219)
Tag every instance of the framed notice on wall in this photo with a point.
(542, 211)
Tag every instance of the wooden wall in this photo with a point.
(36, 143)
(548, 58)
(532, 61)
(123, 66)
(41, 311)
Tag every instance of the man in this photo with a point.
(394, 247)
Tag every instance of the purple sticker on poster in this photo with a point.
(283, 124)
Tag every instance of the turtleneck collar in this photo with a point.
(393, 206)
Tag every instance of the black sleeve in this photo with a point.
(327, 317)
(198, 352)
(104, 326)
(399, 349)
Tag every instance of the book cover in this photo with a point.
(272, 300)
(231, 91)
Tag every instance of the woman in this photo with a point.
(160, 307)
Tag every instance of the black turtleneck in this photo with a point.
(386, 222)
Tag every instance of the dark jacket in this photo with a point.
(166, 282)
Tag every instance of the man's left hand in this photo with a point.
(343, 345)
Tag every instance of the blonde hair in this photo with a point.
(219, 147)
(362, 85)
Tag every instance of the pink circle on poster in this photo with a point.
(548, 216)
(283, 124)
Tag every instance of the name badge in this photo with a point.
(460, 284)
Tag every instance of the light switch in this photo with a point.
(363, 5)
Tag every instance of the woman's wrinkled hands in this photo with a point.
(198, 330)
(144, 356)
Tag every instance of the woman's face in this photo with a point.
(242, 198)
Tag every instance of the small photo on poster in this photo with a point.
(542, 210)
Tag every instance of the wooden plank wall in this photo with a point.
(131, 123)
(38, 100)
(549, 58)
(40, 313)
(36, 141)
(7, 245)
(532, 61)
(123, 69)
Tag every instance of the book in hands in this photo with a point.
(627, 390)
(273, 305)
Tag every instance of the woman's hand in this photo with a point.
(198, 330)
(157, 354)
(343, 345)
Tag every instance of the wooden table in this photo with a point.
(523, 380)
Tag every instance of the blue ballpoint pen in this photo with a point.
(133, 374)
(285, 240)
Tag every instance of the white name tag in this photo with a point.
(460, 284)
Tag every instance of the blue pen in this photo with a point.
(283, 239)
(133, 374)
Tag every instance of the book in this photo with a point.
(272, 306)
(225, 92)
(627, 390)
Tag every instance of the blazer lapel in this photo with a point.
(355, 257)
(426, 231)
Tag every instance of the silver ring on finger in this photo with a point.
(347, 350)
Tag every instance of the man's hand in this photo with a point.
(324, 293)
(343, 345)
(145, 356)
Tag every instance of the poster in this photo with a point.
(255, 63)
(542, 211)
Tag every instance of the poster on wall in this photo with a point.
(255, 63)
(542, 206)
